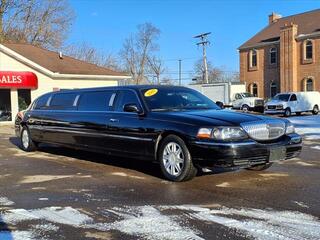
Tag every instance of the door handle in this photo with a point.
(114, 120)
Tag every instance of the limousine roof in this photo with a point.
(135, 87)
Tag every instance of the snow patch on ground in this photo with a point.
(260, 224)
(313, 137)
(166, 222)
(301, 204)
(307, 125)
(149, 223)
(5, 202)
(66, 215)
(316, 147)
(16, 235)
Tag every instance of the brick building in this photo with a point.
(284, 56)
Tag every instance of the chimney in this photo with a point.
(60, 55)
(273, 17)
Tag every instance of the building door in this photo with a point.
(24, 98)
(5, 105)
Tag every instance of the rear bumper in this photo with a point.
(243, 154)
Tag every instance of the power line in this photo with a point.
(177, 59)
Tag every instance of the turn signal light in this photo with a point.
(204, 133)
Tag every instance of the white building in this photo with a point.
(27, 72)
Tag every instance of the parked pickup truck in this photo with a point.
(231, 94)
(247, 102)
(294, 102)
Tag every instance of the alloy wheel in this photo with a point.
(173, 159)
(25, 139)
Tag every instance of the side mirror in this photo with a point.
(132, 107)
(220, 104)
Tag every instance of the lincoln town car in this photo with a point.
(177, 127)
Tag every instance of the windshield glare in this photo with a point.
(176, 99)
(246, 95)
(282, 97)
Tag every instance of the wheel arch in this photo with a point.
(162, 136)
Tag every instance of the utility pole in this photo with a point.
(204, 42)
(180, 72)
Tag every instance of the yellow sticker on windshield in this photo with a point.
(151, 92)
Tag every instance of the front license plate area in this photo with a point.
(277, 154)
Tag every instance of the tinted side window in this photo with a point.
(95, 101)
(42, 102)
(124, 98)
(63, 101)
(293, 98)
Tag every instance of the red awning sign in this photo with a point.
(25, 80)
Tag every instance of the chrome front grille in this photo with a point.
(272, 107)
(259, 102)
(265, 130)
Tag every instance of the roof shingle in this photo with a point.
(308, 22)
(65, 65)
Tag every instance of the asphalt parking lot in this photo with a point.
(58, 193)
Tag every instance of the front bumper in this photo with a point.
(278, 111)
(243, 154)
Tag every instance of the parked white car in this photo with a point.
(294, 102)
(247, 102)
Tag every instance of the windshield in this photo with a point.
(246, 94)
(176, 99)
(282, 97)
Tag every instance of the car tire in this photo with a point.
(175, 160)
(26, 142)
(260, 167)
(315, 110)
(245, 108)
(287, 112)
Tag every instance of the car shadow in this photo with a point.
(146, 167)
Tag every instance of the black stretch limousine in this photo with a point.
(177, 127)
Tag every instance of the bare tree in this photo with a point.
(156, 67)
(39, 22)
(215, 74)
(87, 53)
(5, 5)
(137, 48)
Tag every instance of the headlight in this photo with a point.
(289, 128)
(222, 133)
(280, 106)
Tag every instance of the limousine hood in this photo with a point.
(219, 117)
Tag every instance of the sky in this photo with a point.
(106, 23)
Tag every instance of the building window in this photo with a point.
(24, 98)
(308, 50)
(253, 89)
(253, 58)
(309, 85)
(273, 55)
(273, 89)
(5, 105)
